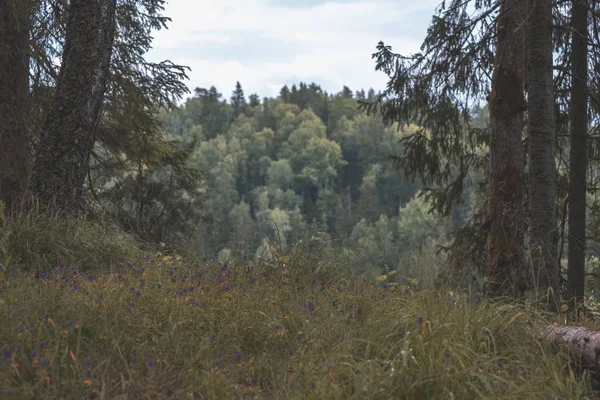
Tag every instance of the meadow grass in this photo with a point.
(290, 327)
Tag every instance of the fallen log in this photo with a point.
(583, 345)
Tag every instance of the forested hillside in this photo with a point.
(283, 169)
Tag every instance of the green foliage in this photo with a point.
(157, 197)
(289, 163)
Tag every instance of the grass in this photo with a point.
(43, 240)
(161, 326)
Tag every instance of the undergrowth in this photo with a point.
(291, 326)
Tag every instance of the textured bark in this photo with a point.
(582, 343)
(69, 132)
(505, 272)
(542, 138)
(14, 92)
(578, 153)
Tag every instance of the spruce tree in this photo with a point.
(238, 100)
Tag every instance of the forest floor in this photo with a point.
(161, 326)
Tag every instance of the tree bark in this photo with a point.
(582, 343)
(542, 138)
(14, 104)
(69, 132)
(578, 154)
(505, 272)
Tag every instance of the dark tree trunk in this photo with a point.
(505, 272)
(14, 92)
(69, 133)
(578, 154)
(542, 137)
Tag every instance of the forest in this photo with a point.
(438, 237)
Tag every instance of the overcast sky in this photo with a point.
(268, 43)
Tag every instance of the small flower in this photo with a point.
(238, 357)
(212, 339)
(310, 306)
(8, 354)
(151, 363)
(420, 320)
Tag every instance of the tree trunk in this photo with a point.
(505, 273)
(542, 137)
(69, 132)
(578, 154)
(14, 92)
(582, 343)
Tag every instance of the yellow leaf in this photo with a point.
(381, 278)
(564, 308)
(162, 244)
(393, 272)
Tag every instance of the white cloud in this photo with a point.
(272, 45)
